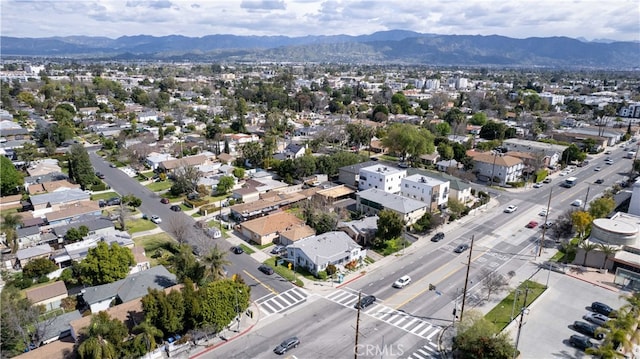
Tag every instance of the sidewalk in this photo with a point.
(235, 330)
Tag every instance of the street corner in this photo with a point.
(354, 278)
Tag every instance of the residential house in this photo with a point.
(291, 152)
(171, 165)
(383, 177)
(52, 186)
(350, 175)
(78, 251)
(265, 230)
(49, 295)
(141, 259)
(363, 231)
(372, 201)
(263, 206)
(550, 153)
(50, 331)
(430, 159)
(43, 167)
(70, 212)
(147, 116)
(226, 158)
(426, 189)
(132, 287)
(293, 234)
(376, 146)
(317, 252)
(154, 159)
(49, 177)
(26, 255)
(458, 189)
(503, 168)
(54, 201)
(96, 227)
(445, 165)
(28, 236)
(326, 197)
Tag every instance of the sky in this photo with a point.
(588, 19)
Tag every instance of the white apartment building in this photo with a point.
(432, 84)
(382, 177)
(552, 99)
(432, 191)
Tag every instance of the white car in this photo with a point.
(510, 209)
(543, 213)
(563, 173)
(596, 318)
(597, 169)
(577, 203)
(537, 185)
(609, 162)
(156, 219)
(402, 282)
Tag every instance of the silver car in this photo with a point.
(596, 318)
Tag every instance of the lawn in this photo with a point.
(159, 186)
(156, 247)
(284, 272)
(501, 314)
(106, 195)
(139, 225)
(247, 249)
(393, 246)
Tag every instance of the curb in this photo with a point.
(350, 280)
(594, 283)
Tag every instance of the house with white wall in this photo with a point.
(426, 189)
(382, 177)
(372, 201)
(315, 253)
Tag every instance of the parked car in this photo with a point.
(596, 318)
(266, 269)
(601, 308)
(100, 175)
(286, 345)
(599, 181)
(577, 203)
(402, 282)
(580, 342)
(164, 200)
(175, 208)
(510, 209)
(587, 329)
(537, 185)
(278, 249)
(112, 165)
(547, 180)
(461, 248)
(543, 213)
(365, 302)
(548, 225)
(114, 201)
(156, 219)
(437, 237)
(237, 250)
(532, 224)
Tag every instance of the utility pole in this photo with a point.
(544, 225)
(586, 198)
(466, 279)
(355, 348)
(522, 312)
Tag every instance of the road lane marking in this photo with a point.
(260, 282)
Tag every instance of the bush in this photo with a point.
(43, 279)
(193, 203)
(322, 275)
(21, 282)
(331, 269)
(99, 187)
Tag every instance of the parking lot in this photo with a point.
(547, 326)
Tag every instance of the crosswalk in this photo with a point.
(398, 319)
(272, 304)
(429, 350)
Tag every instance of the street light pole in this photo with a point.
(466, 279)
(584, 207)
(522, 312)
(493, 168)
(544, 225)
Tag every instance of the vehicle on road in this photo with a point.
(365, 302)
(608, 161)
(537, 185)
(599, 181)
(570, 182)
(510, 209)
(237, 250)
(286, 345)
(607, 152)
(601, 308)
(597, 169)
(543, 213)
(402, 282)
(547, 180)
(112, 165)
(266, 269)
(175, 208)
(577, 203)
(596, 318)
(156, 219)
(461, 248)
(532, 224)
(437, 237)
(164, 201)
(580, 342)
(587, 329)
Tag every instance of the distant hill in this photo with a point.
(396, 46)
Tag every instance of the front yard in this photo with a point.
(139, 225)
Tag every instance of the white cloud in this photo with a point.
(591, 19)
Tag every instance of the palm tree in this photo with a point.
(146, 335)
(215, 262)
(587, 247)
(608, 252)
(97, 348)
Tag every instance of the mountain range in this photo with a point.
(387, 47)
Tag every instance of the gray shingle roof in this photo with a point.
(58, 326)
(329, 246)
(92, 225)
(133, 287)
(33, 251)
(392, 201)
(71, 195)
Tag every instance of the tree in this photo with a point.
(445, 151)
(587, 247)
(10, 178)
(408, 140)
(131, 201)
(478, 119)
(493, 282)
(9, 225)
(571, 154)
(581, 221)
(456, 207)
(105, 264)
(359, 134)
(185, 180)
(423, 224)
(238, 172)
(215, 261)
(608, 251)
(179, 228)
(601, 207)
(28, 152)
(146, 338)
(455, 118)
(443, 129)
(478, 338)
(221, 301)
(18, 316)
(225, 184)
(390, 225)
(253, 154)
(80, 168)
(38, 267)
(493, 131)
(186, 265)
(76, 234)
(164, 311)
(104, 338)
(304, 166)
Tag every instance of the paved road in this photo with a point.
(261, 284)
